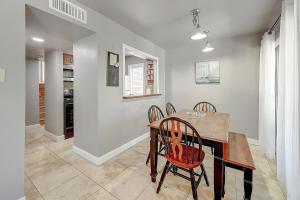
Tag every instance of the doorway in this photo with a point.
(49, 48)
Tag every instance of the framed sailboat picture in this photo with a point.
(207, 72)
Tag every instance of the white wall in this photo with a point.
(54, 93)
(32, 92)
(237, 93)
(12, 99)
(123, 120)
(86, 118)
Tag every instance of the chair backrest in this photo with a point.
(155, 113)
(181, 139)
(205, 107)
(170, 109)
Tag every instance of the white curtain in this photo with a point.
(267, 95)
(288, 161)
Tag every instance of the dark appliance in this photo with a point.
(68, 117)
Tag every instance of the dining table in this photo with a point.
(213, 128)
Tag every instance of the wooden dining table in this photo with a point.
(213, 128)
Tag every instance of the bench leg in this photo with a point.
(223, 192)
(248, 176)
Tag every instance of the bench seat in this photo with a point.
(237, 151)
(237, 155)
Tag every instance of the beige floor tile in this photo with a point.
(68, 155)
(264, 196)
(144, 143)
(81, 164)
(174, 183)
(166, 193)
(33, 134)
(128, 185)
(40, 154)
(130, 157)
(141, 167)
(102, 195)
(60, 147)
(46, 141)
(265, 188)
(31, 193)
(105, 173)
(141, 149)
(40, 167)
(205, 193)
(54, 177)
(78, 188)
(33, 147)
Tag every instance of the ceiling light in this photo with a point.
(196, 22)
(199, 35)
(208, 47)
(36, 39)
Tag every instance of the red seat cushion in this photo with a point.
(186, 162)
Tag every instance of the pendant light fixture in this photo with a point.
(199, 34)
(208, 47)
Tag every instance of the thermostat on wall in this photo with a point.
(2, 75)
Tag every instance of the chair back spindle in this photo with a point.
(170, 109)
(155, 113)
(205, 107)
(183, 143)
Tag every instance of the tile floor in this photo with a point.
(54, 172)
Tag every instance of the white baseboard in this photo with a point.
(54, 137)
(253, 141)
(102, 159)
(23, 198)
(32, 126)
(88, 156)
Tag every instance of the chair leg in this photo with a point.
(193, 183)
(160, 146)
(163, 176)
(148, 158)
(212, 151)
(160, 149)
(205, 175)
(174, 170)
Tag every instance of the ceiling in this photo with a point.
(168, 23)
(58, 34)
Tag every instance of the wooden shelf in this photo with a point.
(140, 96)
(67, 59)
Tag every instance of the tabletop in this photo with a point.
(211, 126)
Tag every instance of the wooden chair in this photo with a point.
(170, 109)
(183, 150)
(154, 114)
(205, 107)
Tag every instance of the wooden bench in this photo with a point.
(237, 155)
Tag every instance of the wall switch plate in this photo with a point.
(2, 75)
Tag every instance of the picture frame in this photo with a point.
(207, 72)
(112, 72)
(112, 59)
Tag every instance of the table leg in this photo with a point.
(248, 176)
(153, 153)
(218, 170)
